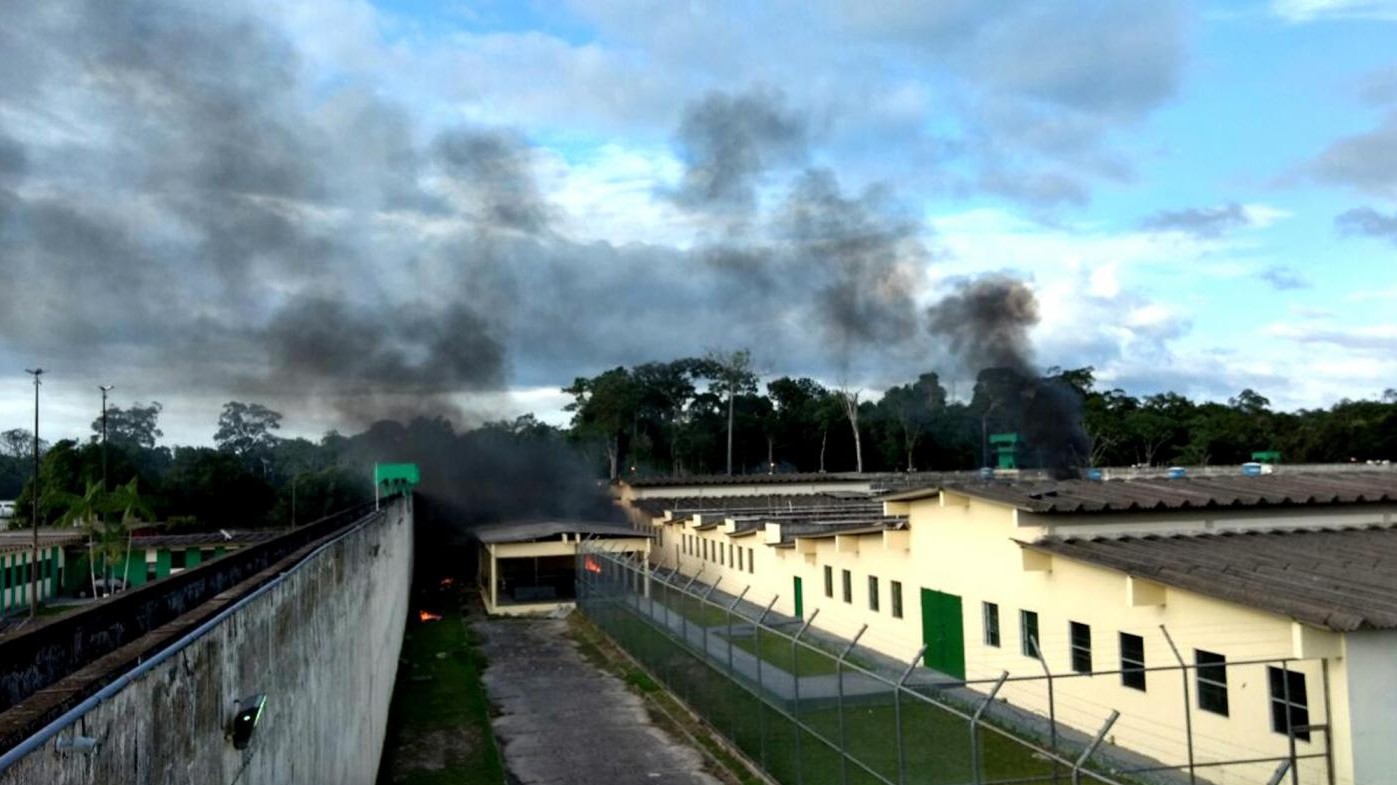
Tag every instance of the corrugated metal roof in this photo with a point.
(1234, 492)
(524, 531)
(1342, 579)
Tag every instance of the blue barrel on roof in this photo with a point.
(1094, 475)
(1177, 473)
(1251, 469)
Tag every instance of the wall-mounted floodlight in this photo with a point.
(245, 717)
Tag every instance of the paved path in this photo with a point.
(565, 722)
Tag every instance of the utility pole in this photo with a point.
(105, 388)
(34, 558)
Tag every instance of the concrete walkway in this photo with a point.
(565, 722)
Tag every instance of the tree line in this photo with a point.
(680, 416)
(696, 415)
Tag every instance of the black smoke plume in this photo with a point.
(986, 323)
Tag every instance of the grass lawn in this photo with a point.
(777, 651)
(439, 724)
(936, 743)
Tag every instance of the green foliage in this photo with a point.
(245, 430)
(135, 426)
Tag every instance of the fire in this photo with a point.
(447, 582)
(426, 615)
(591, 565)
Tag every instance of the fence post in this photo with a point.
(1188, 707)
(1289, 723)
(795, 686)
(761, 689)
(975, 728)
(1052, 703)
(1096, 742)
(897, 715)
(843, 736)
(730, 610)
(684, 617)
(703, 606)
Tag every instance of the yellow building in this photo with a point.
(1278, 593)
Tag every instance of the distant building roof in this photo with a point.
(200, 539)
(884, 480)
(23, 539)
(1342, 579)
(1213, 492)
(526, 531)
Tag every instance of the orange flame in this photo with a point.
(446, 582)
(425, 615)
(591, 565)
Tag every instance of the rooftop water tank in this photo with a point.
(1176, 472)
(1094, 475)
(1251, 469)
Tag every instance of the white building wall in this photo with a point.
(1366, 686)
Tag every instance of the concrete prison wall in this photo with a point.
(322, 644)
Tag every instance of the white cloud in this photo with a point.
(1312, 10)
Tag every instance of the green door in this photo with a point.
(943, 633)
(800, 599)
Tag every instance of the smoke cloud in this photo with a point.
(189, 205)
(986, 323)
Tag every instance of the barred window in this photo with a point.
(1081, 646)
(751, 561)
(873, 593)
(848, 586)
(1028, 633)
(829, 581)
(990, 612)
(1133, 661)
(1289, 703)
(1212, 681)
(895, 589)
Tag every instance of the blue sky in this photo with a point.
(1202, 196)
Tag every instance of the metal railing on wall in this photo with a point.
(813, 708)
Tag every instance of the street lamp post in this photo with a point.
(34, 557)
(105, 388)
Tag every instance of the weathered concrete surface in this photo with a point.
(323, 645)
(564, 722)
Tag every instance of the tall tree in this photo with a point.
(245, 430)
(604, 407)
(733, 373)
(135, 426)
(913, 407)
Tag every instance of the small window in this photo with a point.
(990, 612)
(848, 586)
(1028, 633)
(1212, 681)
(739, 559)
(703, 549)
(829, 581)
(895, 589)
(722, 556)
(1290, 706)
(1081, 646)
(751, 561)
(1132, 661)
(730, 550)
(873, 593)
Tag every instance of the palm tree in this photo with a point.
(93, 511)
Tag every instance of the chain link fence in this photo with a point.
(815, 709)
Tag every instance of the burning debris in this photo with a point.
(425, 616)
